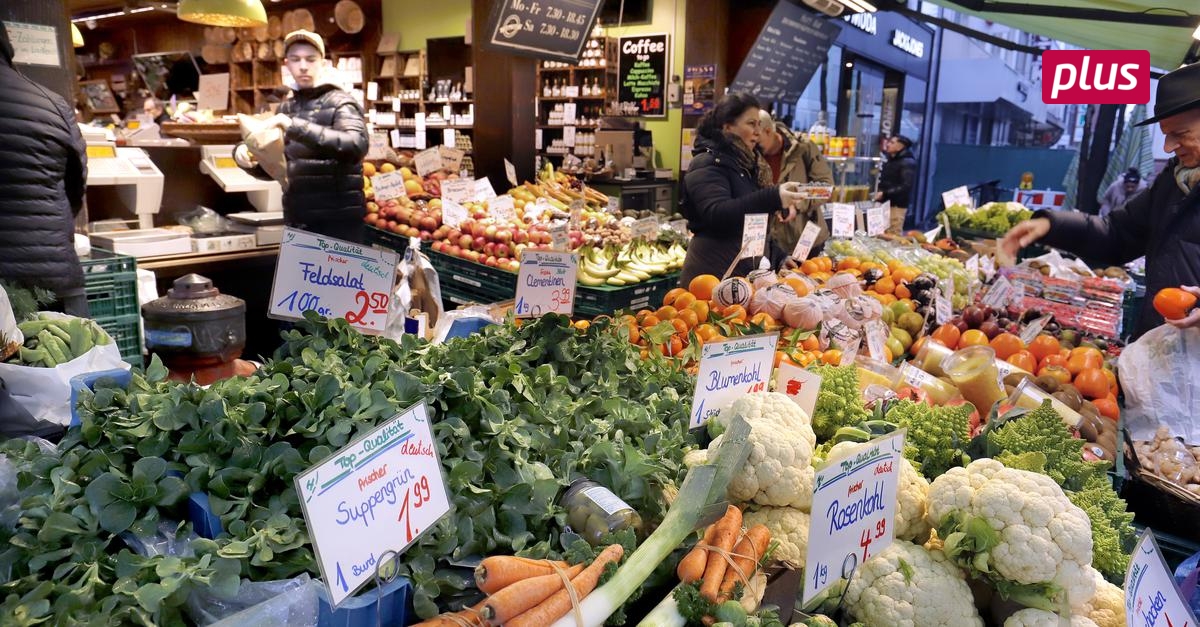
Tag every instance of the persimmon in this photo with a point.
(947, 335)
(1091, 383)
(1006, 345)
(669, 298)
(1024, 360)
(1043, 346)
(1108, 408)
(1173, 303)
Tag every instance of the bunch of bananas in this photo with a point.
(633, 263)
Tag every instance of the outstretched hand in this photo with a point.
(1023, 234)
(1193, 318)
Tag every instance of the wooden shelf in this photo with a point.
(569, 98)
(450, 102)
(562, 126)
(440, 127)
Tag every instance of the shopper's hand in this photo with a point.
(1022, 235)
(878, 196)
(789, 197)
(280, 120)
(789, 214)
(790, 263)
(1193, 318)
(243, 157)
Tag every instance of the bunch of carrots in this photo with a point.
(525, 592)
(715, 568)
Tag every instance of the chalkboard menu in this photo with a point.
(792, 45)
(546, 29)
(642, 75)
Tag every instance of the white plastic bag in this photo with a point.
(417, 287)
(11, 337)
(1160, 374)
(283, 603)
(46, 392)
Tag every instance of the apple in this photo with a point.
(502, 250)
(478, 229)
(518, 249)
(465, 241)
(990, 328)
(490, 261)
(427, 223)
(454, 234)
(489, 248)
(373, 207)
(490, 232)
(504, 236)
(438, 245)
(479, 243)
(479, 214)
(426, 236)
(520, 236)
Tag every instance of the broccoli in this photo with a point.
(937, 436)
(839, 403)
(1113, 535)
(1042, 430)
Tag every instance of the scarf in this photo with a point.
(751, 161)
(1187, 178)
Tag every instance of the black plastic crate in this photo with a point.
(386, 239)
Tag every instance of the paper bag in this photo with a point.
(266, 144)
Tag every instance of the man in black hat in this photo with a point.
(1163, 224)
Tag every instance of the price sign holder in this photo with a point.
(559, 237)
(546, 283)
(1151, 596)
(428, 161)
(645, 228)
(754, 235)
(729, 369)
(452, 158)
(502, 208)
(958, 196)
(510, 172)
(999, 295)
(843, 220)
(483, 189)
(808, 237)
(877, 219)
(1031, 330)
(453, 214)
(800, 385)
(853, 512)
(376, 495)
(334, 278)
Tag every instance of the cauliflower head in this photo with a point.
(1032, 617)
(779, 470)
(1106, 608)
(907, 585)
(911, 499)
(1016, 528)
(789, 526)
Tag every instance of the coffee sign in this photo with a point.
(642, 77)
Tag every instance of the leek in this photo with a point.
(665, 614)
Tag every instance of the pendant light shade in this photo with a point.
(76, 36)
(235, 13)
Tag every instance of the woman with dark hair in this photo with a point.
(728, 179)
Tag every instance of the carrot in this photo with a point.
(724, 538)
(498, 571)
(691, 567)
(522, 595)
(466, 615)
(752, 545)
(559, 603)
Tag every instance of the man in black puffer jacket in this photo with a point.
(43, 174)
(325, 140)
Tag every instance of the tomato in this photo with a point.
(1043, 346)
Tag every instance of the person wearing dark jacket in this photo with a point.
(1162, 223)
(726, 180)
(325, 140)
(44, 166)
(897, 178)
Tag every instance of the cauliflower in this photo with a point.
(1106, 608)
(1015, 528)
(1032, 617)
(788, 526)
(839, 402)
(779, 470)
(907, 585)
(937, 436)
(911, 499)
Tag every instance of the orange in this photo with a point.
(947, 335)
(701, 308)
(635, 334)
(764, 320)
(1111, 377)
(833, 357)
(848, 263)
(650, 321)
(582, 325)
(1091, 383)
(670, 297)
(902, 291)
(689, 317)
(1006, 345)
(854, 272)
(734, 313)
(916, 346)
(680, 326)
(810, 267)
(1043, 346)
(826, 263)
(642, 313)
(702, 286)
(671, 347)
(667, 312)
(1108, 408)
(801, 287)
(893, 265)
(707, 332)
(886, 299)
(1087, 350)
(811, 343)
(683, 300)
(1079, 362)
(1024, 360)
(1052, 360)
(1173, 303)
(972, 337)
(1058, 372)
(885, 285)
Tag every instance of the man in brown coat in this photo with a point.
(797, 160)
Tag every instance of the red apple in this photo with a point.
(465, 241)
(454, 234)
(502, 250)
(479, 243)
(490, 248)
(479, 214)
(490, 232)
(438, 246)
(520, 236)
(452, 249)
(504, 236)
(518, 249)
(490, 261)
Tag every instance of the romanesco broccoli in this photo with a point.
(1113, 535)
(1042, 430)
(839, 403)
(937, 436)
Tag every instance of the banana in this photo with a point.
(599, 272)
(589, 280)
(615, 282)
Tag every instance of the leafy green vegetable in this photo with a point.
(839, 403)
(937, 436)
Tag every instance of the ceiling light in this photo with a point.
(1196, 34)
(140, 10)
(849, 64)
(76, 36)
(236, 13)
(93, 18)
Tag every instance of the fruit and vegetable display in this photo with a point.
(1168, 457)
(993, 218)
(50, 340)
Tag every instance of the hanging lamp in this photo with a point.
(234, 13)
(76, 36)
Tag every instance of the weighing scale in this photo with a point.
(217, 162)
(140, 183)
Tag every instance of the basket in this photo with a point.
(126, 332)
(1158, 503)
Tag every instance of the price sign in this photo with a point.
(546, 283)
(1151, 597)
(754, 234)
(853, 512)
(645, 228)
(559, 238)
(569, 136)
(569, 114)
(958, 196)
(378, 147)
(336, 279)
(428, 161)
(942, 309)
(453, 214)
(877, 335)
(380, 493)
(843, 220)
(451, 158)
(1031, 330)
(388, 185)
(614, 204)
(510, 172)
(851, 350)
(502, 208)
(730, 369)
(799, 384)
(679, 226)
(915, 377)
(988, 265)
(808, 237)
(972, 265)
(999, 295)
(877, 219)
(483, 189)
(458, 190)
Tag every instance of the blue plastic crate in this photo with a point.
(120, 376)
(388, 605)
(205, 523)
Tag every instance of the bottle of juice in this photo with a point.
(973, 370)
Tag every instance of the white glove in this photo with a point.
(243, 157)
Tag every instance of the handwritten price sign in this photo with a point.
(729, 369)
(333, 278)
(379, 493)
(799, 384)
(1151, 598)
(853, 512)
(546, 283)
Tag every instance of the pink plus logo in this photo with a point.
(1096, 77)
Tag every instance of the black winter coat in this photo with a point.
(716, 196)
(1162, 223)
(897, 177)
(43, 174)
(325, 146)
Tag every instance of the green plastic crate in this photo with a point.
(476, 281)
(597, 301)
(387, 239)
(110, 284)
(126, 332)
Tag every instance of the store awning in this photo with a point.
(1164, 27)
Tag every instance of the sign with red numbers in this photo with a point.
(853, 511)
(334, 278)
(546, 283)
(799, 384)
(373, 497)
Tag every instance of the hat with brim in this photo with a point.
(1178, 91)
(304, 36)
